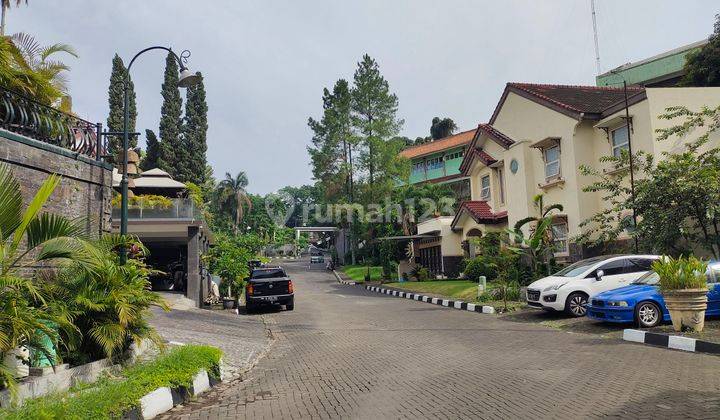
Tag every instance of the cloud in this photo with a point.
(266, 62)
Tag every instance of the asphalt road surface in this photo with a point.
(347, 353)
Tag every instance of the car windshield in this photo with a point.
(578, 268)
(268, 273)
(650, 277)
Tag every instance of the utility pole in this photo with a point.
(595, 35)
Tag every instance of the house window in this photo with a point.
(454, 155)
(485, 188)
(620, 140)
(552, 162)
(560, 236)
(435, 163)
(501, 182)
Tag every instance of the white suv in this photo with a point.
(570, 288)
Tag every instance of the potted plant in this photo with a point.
(684, 289)
(228, 300)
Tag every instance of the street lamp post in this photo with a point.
(186, 79)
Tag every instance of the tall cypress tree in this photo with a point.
(116, 103)
(152, 157)
(195, 135)
(171, 149)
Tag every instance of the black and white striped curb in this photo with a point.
(457, 304)
(671, 341)
(340, 280)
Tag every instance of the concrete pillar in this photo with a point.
(194, 288)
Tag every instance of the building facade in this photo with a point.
(665, 69)
(538, 137)
(439, 162)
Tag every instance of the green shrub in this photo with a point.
(146, 201)
(420, 273)
(681, 273)
(108, 303)
(110, 397)
(480, 266)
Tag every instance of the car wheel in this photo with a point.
(249, 308)
(576, 304)
(647, 315)
(290, 307)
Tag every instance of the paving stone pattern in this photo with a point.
(348, 353)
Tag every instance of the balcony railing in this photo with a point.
(181, 208)
(30, 118)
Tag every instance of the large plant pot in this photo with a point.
(229, 303)
(687, 308)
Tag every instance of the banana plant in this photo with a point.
(539, 244)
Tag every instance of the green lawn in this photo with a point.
(357, 272)
(458, 289)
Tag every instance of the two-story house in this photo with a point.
(537, 138)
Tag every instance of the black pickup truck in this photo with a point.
(269, 286)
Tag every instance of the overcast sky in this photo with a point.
(265, 62)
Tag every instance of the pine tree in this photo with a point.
(171, 149)
(151, 159)
(374, 119)
(331, 152)
(116, 103)
(192, 169)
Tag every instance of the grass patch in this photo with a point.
(357, 272)
(110, 397)
(458, 289)
(464, 290)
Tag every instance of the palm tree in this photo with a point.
(109, 302)
(28, 239)
(233, 196)
(5, 4)
(38, 74)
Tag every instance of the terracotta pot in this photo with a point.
(687, 308)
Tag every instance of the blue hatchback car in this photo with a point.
(641, 301)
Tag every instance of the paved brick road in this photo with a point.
(345, 352)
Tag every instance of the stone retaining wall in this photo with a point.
(85, 190)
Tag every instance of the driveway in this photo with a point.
(345, 352)
(243, 340)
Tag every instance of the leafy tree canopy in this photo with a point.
(703, 66)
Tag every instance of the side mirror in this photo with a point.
(599, 275)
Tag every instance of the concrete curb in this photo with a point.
(455, 304)
(675, 342)
(340, 280)
(164, 399)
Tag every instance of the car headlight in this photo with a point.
(618, 303)
(553, 287)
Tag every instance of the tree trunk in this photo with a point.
(2, 20)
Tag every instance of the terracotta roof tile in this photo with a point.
(485, 157)
(480, 211)
(593, 99)
(575, 101)
(450, 142)
(496, 135)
